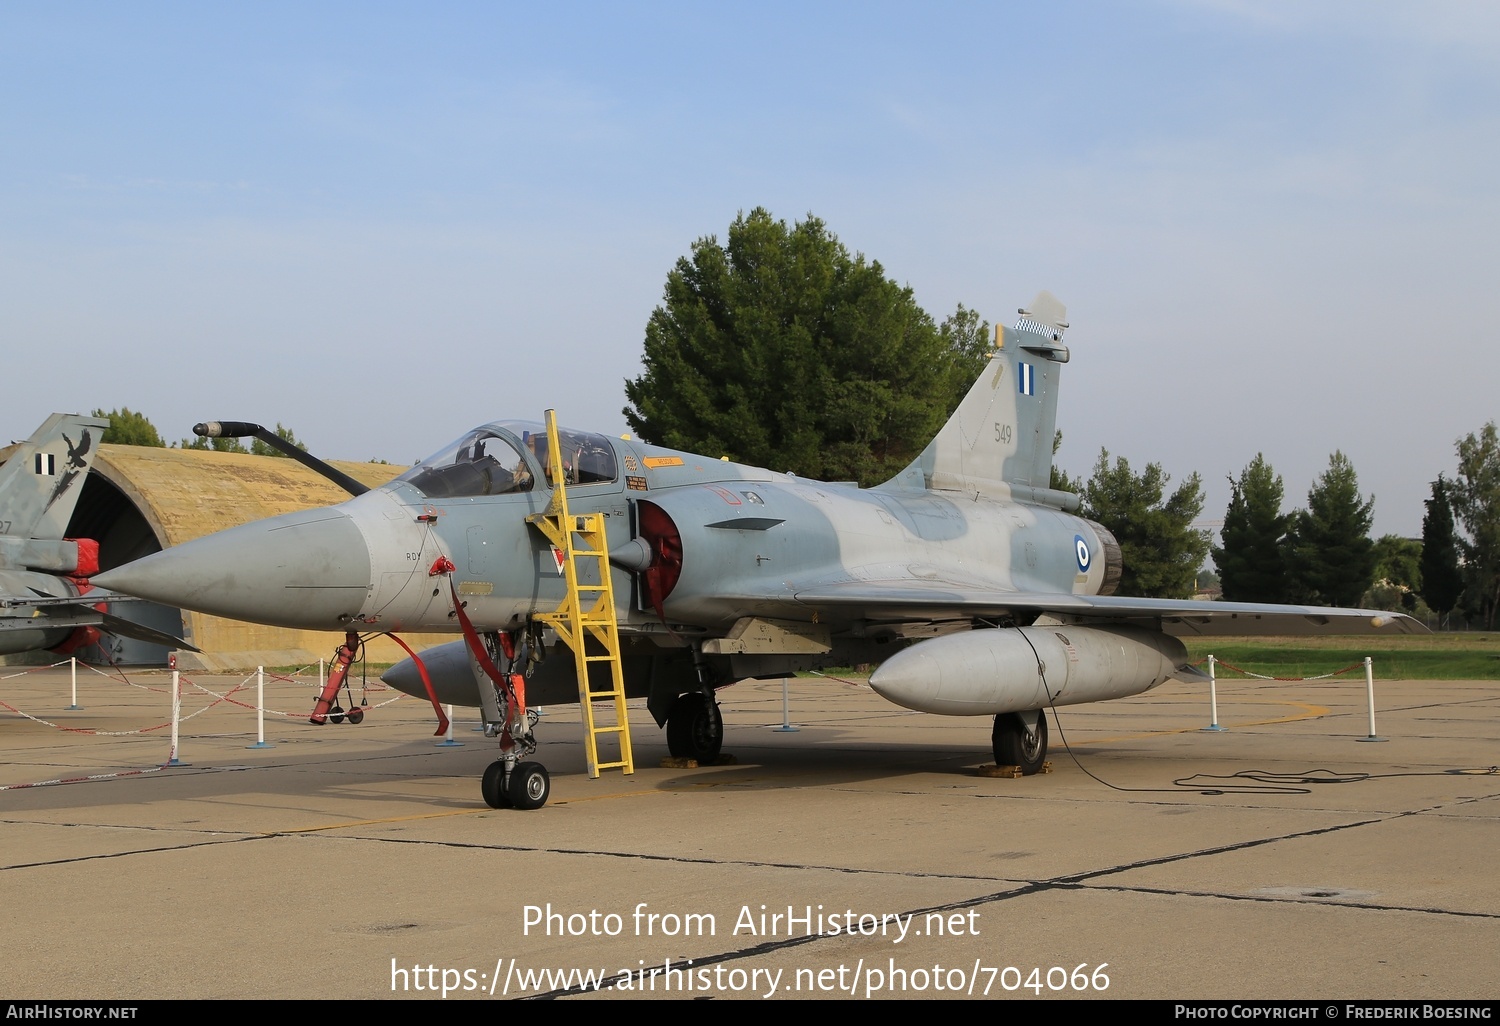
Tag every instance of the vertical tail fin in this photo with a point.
(41, 482)
(998, 443)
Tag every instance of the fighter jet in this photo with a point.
(44, 576)
(973, 584)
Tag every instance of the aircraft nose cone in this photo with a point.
(309, 569)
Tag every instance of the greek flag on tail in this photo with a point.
(998, 444)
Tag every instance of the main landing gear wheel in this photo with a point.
(1016, 746)
(695, 730)
(529, 785)
(492, 786)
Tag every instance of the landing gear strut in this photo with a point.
(508, 782)
(695, 730)
(1017, 743)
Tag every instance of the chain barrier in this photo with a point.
(225, 697)
(32, 669)
(279, 712)
(1263, 676)
(1214, 662)
(82, 780)
(219, 698)
(127, 733)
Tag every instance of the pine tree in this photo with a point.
(1331, 559)
(1158, 544)
(1475, 494)
(782, 350)
(1442, 580)
(1250, 561)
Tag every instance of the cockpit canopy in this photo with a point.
(482, 462)
(587, 458)
(502, 458)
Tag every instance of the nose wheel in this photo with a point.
(529, 786)
(492, 786)
(522, 785)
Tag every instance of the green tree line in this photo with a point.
(1323, 555)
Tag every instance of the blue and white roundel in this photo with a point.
(1081, 550)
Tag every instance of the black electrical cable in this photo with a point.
(1260, 781)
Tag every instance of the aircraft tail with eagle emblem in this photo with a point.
(41, 481)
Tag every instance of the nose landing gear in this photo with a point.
(508, 782)
(515, 785)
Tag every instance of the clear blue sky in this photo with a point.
(1275, 224)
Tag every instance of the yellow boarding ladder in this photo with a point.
(575, 621)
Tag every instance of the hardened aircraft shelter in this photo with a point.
(140, 499)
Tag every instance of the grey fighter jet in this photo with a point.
(46, 599)
(976, 587)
